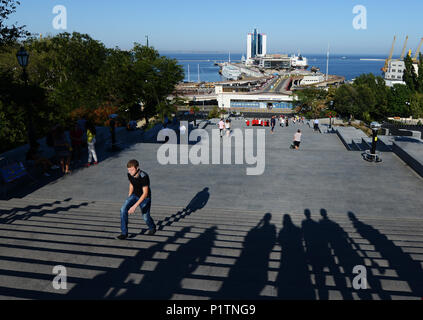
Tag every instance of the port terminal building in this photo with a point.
(253, 102)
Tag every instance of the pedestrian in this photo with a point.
(287, 122)
(228, 127)
(182, 129)
(281, 121)
(316, 125)
(139, 196)
(91, 140)
(76, 134)
(63, 149)
(221, 125)
(273, 124)
(33, 155)
(297, 139)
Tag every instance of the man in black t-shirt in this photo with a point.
(139, 196)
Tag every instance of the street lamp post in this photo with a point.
(330, 115)
(23, 59)
(193, 109)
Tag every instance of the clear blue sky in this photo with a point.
(222, 25)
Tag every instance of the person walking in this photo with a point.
(76, 141)
(221, 125)
(139, 196)
(63, 149)
(273, 124)
(281, 121)
(316, 125)
(228, 127)
(91, 140)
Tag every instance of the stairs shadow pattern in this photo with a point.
(205, 253)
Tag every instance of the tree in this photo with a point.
(155, 78)
(366, 98)
(416, 105)
(410, 77)
(311, 102)
(398, 97)
(9, 34)
(420, 75)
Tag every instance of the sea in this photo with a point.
(200, 67)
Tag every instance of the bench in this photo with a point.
(11, 172)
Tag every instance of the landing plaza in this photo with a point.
(296, 231)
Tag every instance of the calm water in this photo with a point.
(202, 65)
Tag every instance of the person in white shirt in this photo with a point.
(227, 127)
(182, 129)
(297, 139)
(316, 125)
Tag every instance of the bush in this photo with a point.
(99, 116)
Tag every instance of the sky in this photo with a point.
(308, 26)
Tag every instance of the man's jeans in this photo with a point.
(145, 210)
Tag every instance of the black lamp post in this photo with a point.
(23, 59)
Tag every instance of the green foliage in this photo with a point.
(416, 105)
(311, 102)
(73, 75)
(366, 98)
(399, 97)
(420, 76)
(9, 33)
(214, 113)
(410, 77)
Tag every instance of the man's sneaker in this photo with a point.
(95, 163)
(46, 174)
(151, 231)
(122, 237)
(54, 167)
(87, 165)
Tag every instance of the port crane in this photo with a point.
(385, 67)
(418, 51)
(403, 50)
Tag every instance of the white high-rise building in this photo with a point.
(256, 45)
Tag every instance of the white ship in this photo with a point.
(299, 62)
(230, 72)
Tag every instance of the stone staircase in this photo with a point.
(203, 253)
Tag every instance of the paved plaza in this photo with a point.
(294, 232)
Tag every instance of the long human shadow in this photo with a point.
(108, 284)
(165, 280)
(248, 276)
(197, 203)
(319, 256)
(407, 269)
(347, 251)
(293, 281)
(161, 283)
(12, 215)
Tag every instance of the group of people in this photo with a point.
(224, 127)
(283, 121)
(81, 133)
